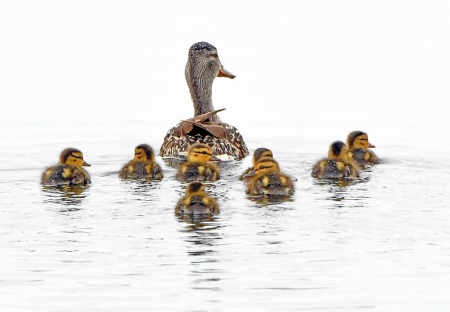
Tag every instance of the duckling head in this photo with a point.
(201, 153)
(202, 67)
(195, 188)
(263, 166)
(358, 139)
(73, 157)
(338, 150)
(144, 152)
(261, 152)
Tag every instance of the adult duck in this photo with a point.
(202, 67)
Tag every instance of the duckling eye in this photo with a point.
(262, 167)
(270, 155)
(214, 55)
(204, 153)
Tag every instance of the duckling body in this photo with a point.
(69, 171)
(143, 166)
(257, 155)
(202, 68)
(332, 168)
(199, 166)
(363, 157)
(197, 201)
(266, 179)
(273, 183)
(337, 165)
(358, 144)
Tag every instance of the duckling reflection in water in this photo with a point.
(69, 171)
(66, 194)
(266, 179)
(337, 165)
(358, 144)
(261, 152)
(196, 201)
(199, 166)
(142, 166)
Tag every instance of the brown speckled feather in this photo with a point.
(233, 145)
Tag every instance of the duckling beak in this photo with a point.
(214, 158)
(225, 73)
(371, 146)
(249, 175)
(86, 164)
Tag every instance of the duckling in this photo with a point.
(358, 144)
(266, 179)
(258, 154)
(202, 67)
(197, 201)
(337, 165)
(143, 165)
(199, 167)
(69, 171)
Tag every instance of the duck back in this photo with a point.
(65, 175)
(197, 205)
(198, 172)
(141, 170)
(272, 184)
(332, 169)
(363, 157)
(232, 144)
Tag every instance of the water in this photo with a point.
(106, 76)
(380, 243)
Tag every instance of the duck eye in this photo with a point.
(214, 55)
(262, 167)
(204, 153)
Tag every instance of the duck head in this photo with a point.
(338, 150)
(73, 157)
(263, 166)
(200, 153)
(202, 67)
(144, 152)
(358, 139)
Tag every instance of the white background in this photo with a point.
(347, 65)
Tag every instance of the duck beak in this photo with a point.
(249, 175)
(214, 158)
(86, 164)
(371, 146)
(225, 73)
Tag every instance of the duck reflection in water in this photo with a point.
(339, 190)
(202, 232)
(144, 189)
(68, 195)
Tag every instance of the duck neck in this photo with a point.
(201, 92)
